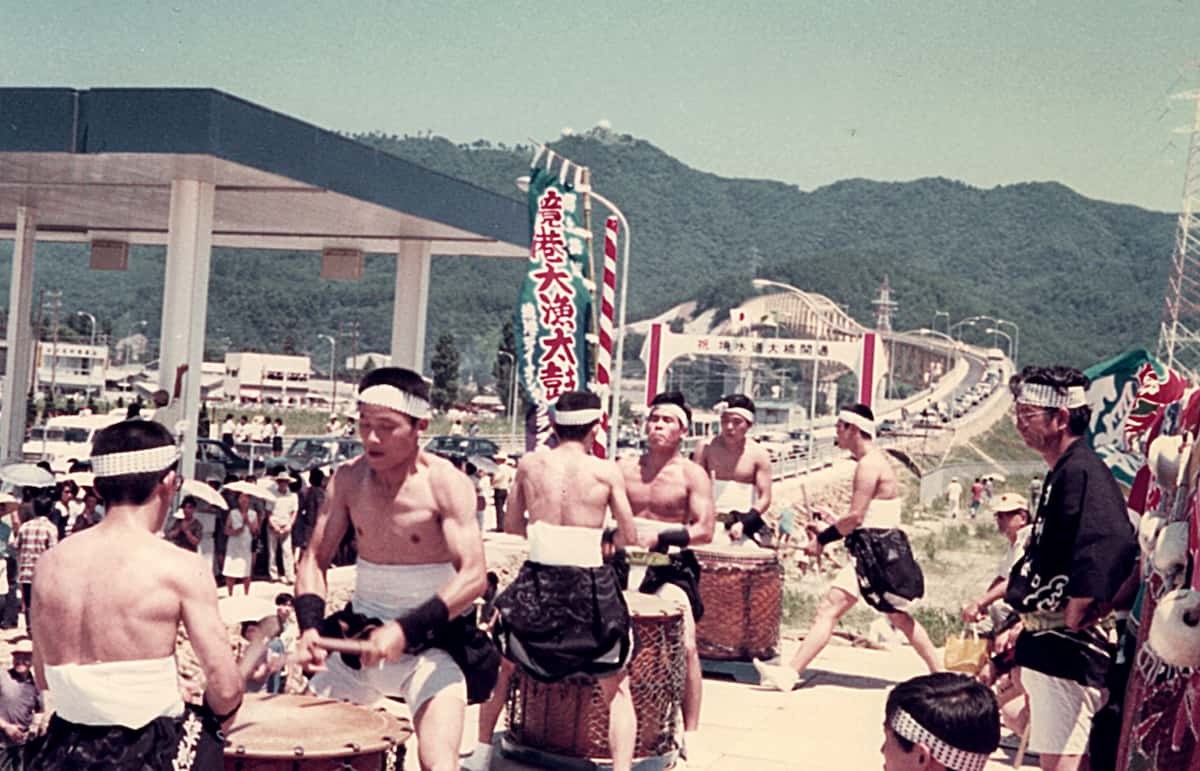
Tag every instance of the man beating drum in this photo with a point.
(420, 565)
(673, 506)
(564, 614)
(740, 470)
(874, 503)
(106, 607)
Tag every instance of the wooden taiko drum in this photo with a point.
(742, 590)
(285, 732)
(569, 717)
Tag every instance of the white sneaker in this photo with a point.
(781, 678)
(479, 760)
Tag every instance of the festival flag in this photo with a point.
(554, 305)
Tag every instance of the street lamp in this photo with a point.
(332, 373)
(87, 391)
(1005, 335)
(512, 392)
(968, 322)
(952, 343)
(523, 185)
(1016, 339)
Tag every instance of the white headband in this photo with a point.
(575, 417)
(393, 398)
(722, 407)
(671, 410)
(950, 757)
(1042, 395)
(858, 421)
(116, 464)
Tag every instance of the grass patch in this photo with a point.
(1001, 442)
(938, 622)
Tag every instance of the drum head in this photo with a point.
(289, 725)
(647, 605)
(745, 554)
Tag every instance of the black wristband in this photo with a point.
(829, 535)
(609, 535)
(423, 621)
(752, 522)
(310, 611)
(734, 518)
(227, 715)
(675, 536)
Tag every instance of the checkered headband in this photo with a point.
(1042, 395)
(950, 757)
(117, 464)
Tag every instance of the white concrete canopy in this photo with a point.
(191, 169)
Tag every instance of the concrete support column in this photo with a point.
(19, 358)
(411, 303)
(185, 308)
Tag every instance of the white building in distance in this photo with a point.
(267, 378)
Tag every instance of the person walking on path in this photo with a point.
(874, 503)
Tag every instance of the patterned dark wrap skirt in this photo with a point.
(558, 620)
(190, 742)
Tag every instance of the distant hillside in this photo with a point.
(1084, 279)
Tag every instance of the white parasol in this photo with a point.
(26, 475)
(251, 489)
(203, 492)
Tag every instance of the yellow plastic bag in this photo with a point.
(965, 652)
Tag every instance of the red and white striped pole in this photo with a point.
(608, 290)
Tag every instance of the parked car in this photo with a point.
(214, 461)
(64, 439)
(323, 452)
(461, 447)
(886, 426)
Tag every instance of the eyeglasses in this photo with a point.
(1026, 413)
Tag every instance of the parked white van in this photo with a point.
(64, 439)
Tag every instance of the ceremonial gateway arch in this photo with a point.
(826, 334)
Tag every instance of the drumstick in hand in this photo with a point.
(340, 645)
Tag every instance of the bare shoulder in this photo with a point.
(693, 472)
(757, 452)
(350, 472)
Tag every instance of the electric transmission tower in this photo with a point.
(885, 306)
(1179, 335)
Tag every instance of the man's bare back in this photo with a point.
(117, 593)
(565, 486)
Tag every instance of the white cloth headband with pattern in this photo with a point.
(393, 398)
(575, 417)
(671, 410)
(951, 757)
(1042, 395)
(116, 464)
(722, 407)
(866, 425)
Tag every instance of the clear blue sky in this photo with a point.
(985, 91)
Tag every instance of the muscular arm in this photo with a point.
(762, 481)
(208, 636)
(700, 505)
(618, 501)
(514, 508)
(455, 498)
(331, 522)
(699, 453)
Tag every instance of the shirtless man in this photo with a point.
(105, 649)
(420, 565)
(566, 493)
(874, 502)
(666, 488)
(740, 470)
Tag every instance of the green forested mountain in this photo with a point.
(1084, 279)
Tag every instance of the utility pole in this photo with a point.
(1179, 334)
(57, 298)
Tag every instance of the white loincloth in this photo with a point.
(126, 693)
